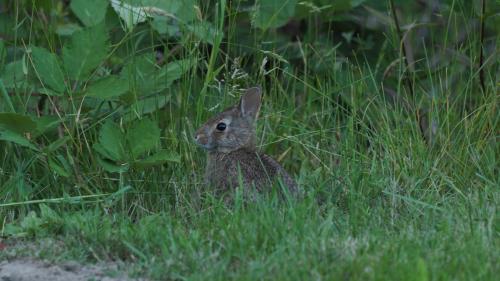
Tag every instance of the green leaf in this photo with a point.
(205, 31)
(13, 230)
(48, 68)
(90, 12)
(326, 8)
(146, 105)
(103, 152)
(14, 74)
(165, 26)
(85, 51)
(49, 215)
(31, 222)
(111, 142)
(130, 14)
(141, 71)
(67, 29)
(142, 136)
(16, 123)
(159, 158)
(184, 10)
(273, 13)
(133, 12)
(59, 166)
(112, 167)
(49, 92)
(107, 88)
(46, 123)
(17, 139)
(146, 77)
(173, 71)
(56, 144)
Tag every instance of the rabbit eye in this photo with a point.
(221, 126)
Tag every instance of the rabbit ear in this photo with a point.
(250, 102)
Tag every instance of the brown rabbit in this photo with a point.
(230, 140)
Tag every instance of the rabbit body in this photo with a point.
(229, 137)
(257, 170)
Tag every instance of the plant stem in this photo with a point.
(481, 42)
(398, 29)
(211, 73)
(6, 96)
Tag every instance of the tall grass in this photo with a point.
(388, 196)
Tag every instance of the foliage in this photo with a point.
(387, 128)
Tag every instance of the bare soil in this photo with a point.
(36, 270)
(44, 260)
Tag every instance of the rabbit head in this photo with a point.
(234, 128)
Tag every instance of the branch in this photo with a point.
(398, 29)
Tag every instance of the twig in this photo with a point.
(398, 29)
(481, 41)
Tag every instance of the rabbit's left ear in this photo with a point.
(250, 103)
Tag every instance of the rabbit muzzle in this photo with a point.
(203, 141)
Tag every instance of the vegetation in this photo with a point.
(386, 112)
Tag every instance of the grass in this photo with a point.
(383, 201)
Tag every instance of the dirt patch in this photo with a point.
(36, 270)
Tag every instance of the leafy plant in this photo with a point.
(119, 150)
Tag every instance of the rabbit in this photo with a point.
(230, 140)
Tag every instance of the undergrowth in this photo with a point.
(398, 184)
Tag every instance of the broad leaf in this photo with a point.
(67, 29)
(133, 12)
(86, 50)
(112, 167)
(16, 138)
(142, 136)
(273, 13)
(107, 88)
(49, 92)
(326, 8)
(90, 12)
(174, 70)
(16, 123)
(103, 152)
(132, 15)
(158, 158)
(49, 215)
(111, 142)
(205, 31)
(46, 123)
(144, 106)
(165, 26)
(146, 77)
(47, 67)
(14, 74)
(184, 10)
(142, 72)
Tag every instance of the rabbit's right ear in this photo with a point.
(250, 103)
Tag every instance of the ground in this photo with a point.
(30, 261)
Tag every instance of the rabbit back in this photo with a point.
(255, 170)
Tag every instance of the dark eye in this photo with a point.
(221, 126)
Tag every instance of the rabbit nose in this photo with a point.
(198, 138)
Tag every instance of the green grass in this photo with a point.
(383, 201)
(388, 238)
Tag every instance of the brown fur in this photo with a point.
(232, 152)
